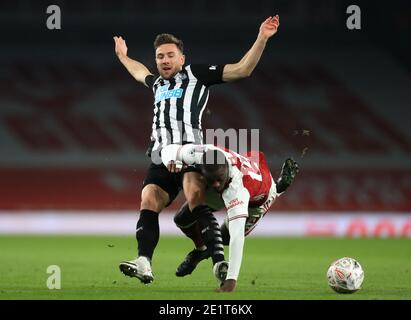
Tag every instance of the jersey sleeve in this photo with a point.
(149, 80)
(189, 154)
(236, 228)
(236, 198)
(169, 153)
(208, 74)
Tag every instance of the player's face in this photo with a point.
(219, 180)
(169, 60)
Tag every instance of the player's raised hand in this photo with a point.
(120, 46)
(269, 27)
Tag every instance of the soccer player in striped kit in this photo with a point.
(180, 96)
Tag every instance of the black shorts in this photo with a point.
(172, 183)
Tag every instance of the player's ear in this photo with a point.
(183, 59)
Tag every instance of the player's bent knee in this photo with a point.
(150, 204)
(153, 198)
(195, 197)
(194, 189)
(184, 217)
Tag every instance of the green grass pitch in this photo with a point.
(273, 268)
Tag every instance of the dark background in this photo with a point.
(74, 125)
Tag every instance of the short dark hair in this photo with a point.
(164, 38)
(213, 161)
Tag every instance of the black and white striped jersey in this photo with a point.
(179, 104)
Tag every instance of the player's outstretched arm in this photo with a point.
(136, 69)
(236, 228)
(247, 64)
(175, 156)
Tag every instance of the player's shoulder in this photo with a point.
(201, 68)
(236, 188)
(208, 74)
(152, 79)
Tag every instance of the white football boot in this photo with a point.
(220, 271)
(139, 268)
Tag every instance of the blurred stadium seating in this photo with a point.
(74, 126)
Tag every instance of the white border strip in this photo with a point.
(337, 224)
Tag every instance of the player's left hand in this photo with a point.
(269, 27)
(227, 286)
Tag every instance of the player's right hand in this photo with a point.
(269, 27)
(120, 46)
(174, 166)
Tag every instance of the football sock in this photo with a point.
(281, 186)
(187, 222)
(147, 233)
(210, 232)
(225, 234)
(202, 248)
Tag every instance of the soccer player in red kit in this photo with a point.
(240, 183)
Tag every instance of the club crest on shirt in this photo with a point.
(258, 197)
(180, 76)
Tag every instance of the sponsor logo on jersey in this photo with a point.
(163, 93)
(234, 203)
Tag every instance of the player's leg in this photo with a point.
(153, 200)
(160, 188)
(288, 172)
(192, 222)
(194, 189)
(187, 222)
(255, 214)
(225, 234)
(194, 186)
(195, 256)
